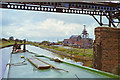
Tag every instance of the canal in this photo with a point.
(51, 54)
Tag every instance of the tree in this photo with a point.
(20, 41)
(3, 39)
(45, 42)
(17, 40)
(11, 38)
(59, 42)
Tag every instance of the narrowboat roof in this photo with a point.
(21, 68)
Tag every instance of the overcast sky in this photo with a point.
(39, 26)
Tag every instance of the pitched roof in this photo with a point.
(74, 36)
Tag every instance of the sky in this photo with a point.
(39, 26)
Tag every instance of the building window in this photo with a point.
(77, 40)
(67, 41)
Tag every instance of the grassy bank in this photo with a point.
(7, 43)
(76, 51)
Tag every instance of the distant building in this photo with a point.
(81, 41)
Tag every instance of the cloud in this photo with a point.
(44, 26)
(45, 29)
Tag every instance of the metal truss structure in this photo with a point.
(108, 9)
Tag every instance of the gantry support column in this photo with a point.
(107, 49)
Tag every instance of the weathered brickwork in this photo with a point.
(107, 49)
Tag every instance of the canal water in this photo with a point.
(5, 55)
(63, 46)
(52, 55)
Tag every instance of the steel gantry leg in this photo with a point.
(97, 20)
(109, 17)
(110, 20)
(101, 20)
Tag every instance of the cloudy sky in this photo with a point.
(39, 26)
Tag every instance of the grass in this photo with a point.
(88, 52)
(6, 43)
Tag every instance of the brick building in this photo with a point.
(81, 41)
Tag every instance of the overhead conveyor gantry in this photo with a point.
(108, 9)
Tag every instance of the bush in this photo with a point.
(11, 38)
(3, 39)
